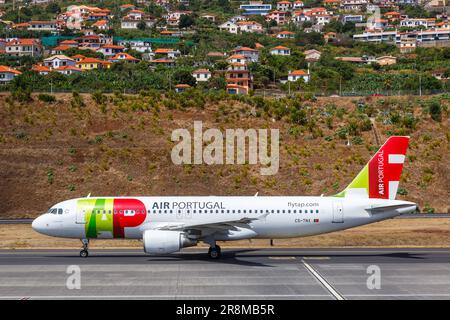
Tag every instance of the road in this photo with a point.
(241, 274)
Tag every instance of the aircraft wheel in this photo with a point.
(84, 253)
(214, 252)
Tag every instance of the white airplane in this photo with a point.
(167, 224)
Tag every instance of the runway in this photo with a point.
(239, 275)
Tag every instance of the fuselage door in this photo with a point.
(338, 212)
(80, 216)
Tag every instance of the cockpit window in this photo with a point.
(60, 211)
(53, 210)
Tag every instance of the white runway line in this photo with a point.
(324, 282)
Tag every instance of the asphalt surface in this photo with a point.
(240, 274)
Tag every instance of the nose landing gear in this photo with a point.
(84, 252)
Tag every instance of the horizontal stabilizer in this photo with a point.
(391, 207)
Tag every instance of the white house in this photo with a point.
(298, 74)
(57, 61)
(229, 27)
(68, 70)
(7, 74)
(201, 75)
(237, 58)
(280, 51)
(249, 26)
(284, 5)
(312, 55)
(297, 5)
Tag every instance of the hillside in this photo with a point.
(120, 145)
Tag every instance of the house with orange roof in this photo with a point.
(163, 62)
(96, 16)
(296, 75)
(42, 26)
(127, 6)
(7, 74)
(109, 50)
(239, 79)
(329, 36)
(93, 63)
(70, 43)
(21, 26)
(60, 49)
(23, 47)
(123, 56)
(181, 87)
(67, 70)
(78, 57)
(280, 51)
(237, 58)
(237, 89)
(249, 26)
(167, 52)
(59, 61)
(392, 15)
(201, 75)
(249, 53)
(42, 70)
(285, 35)
(101, 25)
(280, 17)
(297, 5)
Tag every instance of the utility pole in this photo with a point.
(420, 84)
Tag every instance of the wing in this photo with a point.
(212, 224)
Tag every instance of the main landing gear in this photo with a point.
(84, 252)
(214, 252)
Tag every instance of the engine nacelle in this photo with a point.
(165, 241)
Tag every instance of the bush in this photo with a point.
(435, 110)
(22, 95)
(46, 98)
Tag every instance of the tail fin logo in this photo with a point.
(381, 176)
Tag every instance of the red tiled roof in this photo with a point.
(298, 73)
(9, 70)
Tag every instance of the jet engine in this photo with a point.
(166, 241)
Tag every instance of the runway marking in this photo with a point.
(282, 258)
(316, 258)
(324, 282)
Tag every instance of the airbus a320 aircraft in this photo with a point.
(167, 224)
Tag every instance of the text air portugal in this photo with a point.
(385, 168)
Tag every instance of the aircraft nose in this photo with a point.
(39, 225)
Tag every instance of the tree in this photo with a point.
(303, 38)
(142, 25)
(53, 7)
(183, 77)
(186, 21)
